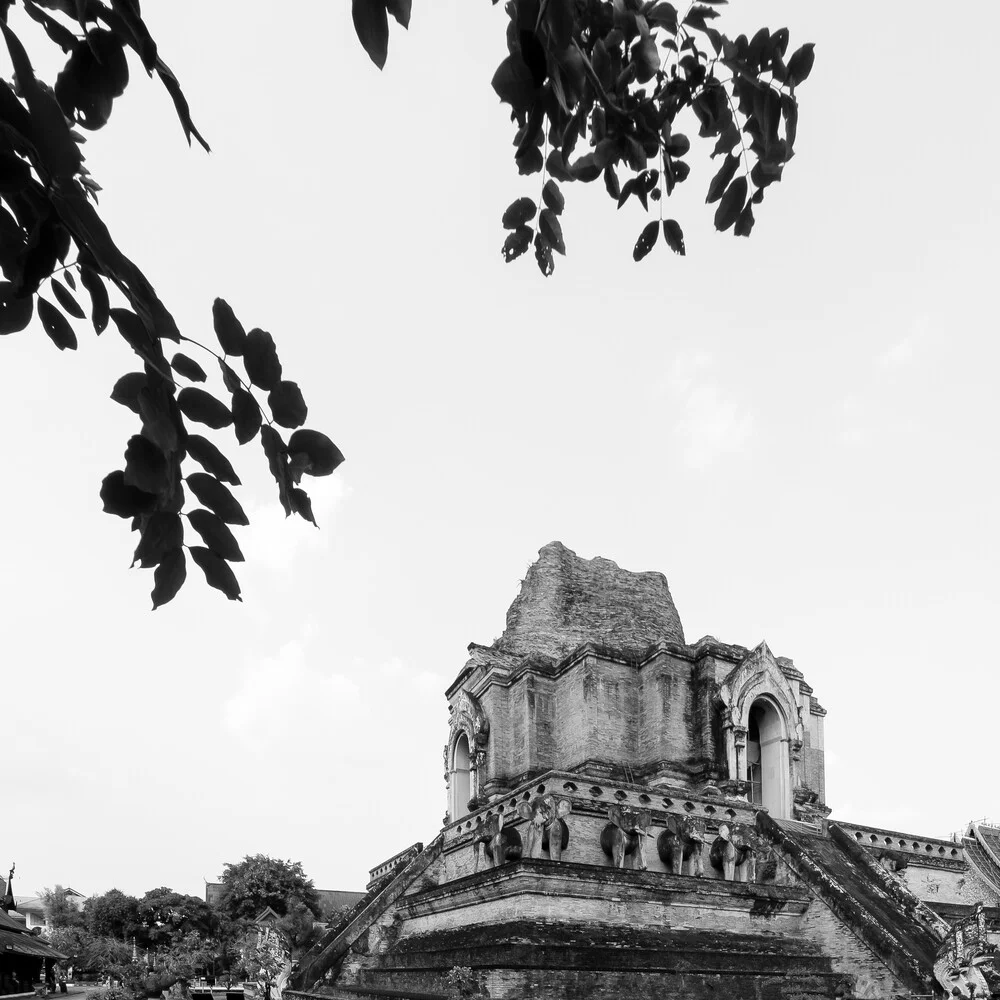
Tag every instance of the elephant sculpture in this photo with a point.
(544, 814)
(626, 835)
(681, 841)
(735, 848)
(498, 843)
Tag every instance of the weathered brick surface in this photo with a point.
(566, 600)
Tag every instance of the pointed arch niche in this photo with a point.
(465, 754)
(762, 729)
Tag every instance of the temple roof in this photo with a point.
(566, 600)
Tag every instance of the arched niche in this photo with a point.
(768, 768)
(461, 778)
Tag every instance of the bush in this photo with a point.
(462, 984)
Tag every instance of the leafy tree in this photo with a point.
(52, 239)
(299, 927)
(59, 911)
(600, 90)
(113, 915)
(259, 881)
(168, 917)
(75, 942)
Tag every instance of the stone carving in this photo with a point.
(734, 853)
(544, 814)
(626, 835)
(682, 841)
(965, 963)
(498, 843)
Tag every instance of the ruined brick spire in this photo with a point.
(565, 601)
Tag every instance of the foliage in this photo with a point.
(75, 942)
(598, 89)
(298, 926)
(113, 914)
(52, 238)
(59, 911)
(462, 983)
(259, 881)
(169, 917)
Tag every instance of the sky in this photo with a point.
(798, 429)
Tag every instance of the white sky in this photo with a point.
(799, 430)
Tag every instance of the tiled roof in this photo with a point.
(27, 944)
(981, 863)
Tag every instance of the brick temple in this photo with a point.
(633, 815)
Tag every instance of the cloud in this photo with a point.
(710, 424)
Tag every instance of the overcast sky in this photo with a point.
(798, 429)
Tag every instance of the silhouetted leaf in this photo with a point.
(201, 406)
(553, 197)
(372, 27)
(100, 306)
(65, 298)
(516, 243)
(218, 572)
(301, 504)
(731, 204)
(15, 312)
(646, 241)
(211, 459)
(261, 360)
(168, 577)
(161, 533)
(721, 180)
(277, 460)
(123, 500)
(744, 224)
(229, 330)
(246, 416)
(674, 236)
(161, 419)
(322, 454)
(127, 389)
(188, 367)
(216, 497)
(56, 325)
(519, 213)
(216, 535)
(145, 465)
(180, 103)
(801, 64)
(549, 227)
(288, 408)
(514, 84)
(543, 255)
(611, 183)
(229, 377)
(400, 10)
(133, 331)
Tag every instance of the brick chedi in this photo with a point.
(632, 815)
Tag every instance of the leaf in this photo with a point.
(549, 227)
(514, 83)
(302, 505)
(65, 298)
(181, 108)
(246, 416)
(162, 533)
(216, 535)
(261, 360)
(744, 224)
(56, 325)
(516, 243)
(400, 10)
(611, 183)
(322, 454)
(287, 405)
(216, 497)
(646, 241)
(229, 330)
(801, 64)
(168, 577)
(731, 204)
(188, 367)
(529, 161)
(674, 236)
(133, 332)
(100, 306)
(519, 213)
(145, 465)
(161, 417)
(218, 572)
(677, 145)
(721, 180)
(543, 255)
(15, 311)
(790, 111)
(277, 460)
(208, 456)
(127, 389)
(552, 196)
(202, 407)
(372, 27)
(123, 500)
(229, 377)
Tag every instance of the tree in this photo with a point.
(167, 918)
(618, 78)
(259, 881)
(113, 915)
(299, 927)
(59, 912)
(51, 238)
